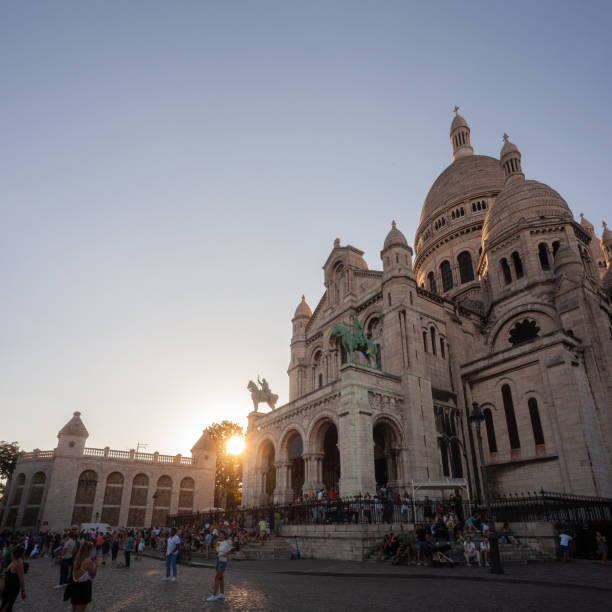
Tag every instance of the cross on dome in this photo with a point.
(505, 137)
(393, 224)
(456, 110)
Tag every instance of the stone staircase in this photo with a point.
(272, 548)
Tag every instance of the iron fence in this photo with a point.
(543, 506)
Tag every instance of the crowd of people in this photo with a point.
(79, 554)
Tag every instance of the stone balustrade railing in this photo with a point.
(108, 453)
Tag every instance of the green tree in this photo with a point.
(228, 479)
(9, 451)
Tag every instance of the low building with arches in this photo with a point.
(505, 301)
(74, 484)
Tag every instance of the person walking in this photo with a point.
(105, 548)
(129, 547)
(66, 560)
(114, 549)
(84, 571)
(14, 581)
(172, 550)
(564, 540)
(223, 547)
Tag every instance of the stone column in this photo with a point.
(312, 472)
(283, 492)
(355, 435)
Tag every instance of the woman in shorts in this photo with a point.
(223, 547)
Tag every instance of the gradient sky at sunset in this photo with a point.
(173, 175)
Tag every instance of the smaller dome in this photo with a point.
(303, 310)
(606, 235)
(584, 222)
(395, 237)
(205, 443)
(508, 147)
(530, 201)
(458, 121)
(74, 427)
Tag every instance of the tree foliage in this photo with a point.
(228, 478)
(9, 451)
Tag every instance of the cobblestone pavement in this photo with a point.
(331, 585)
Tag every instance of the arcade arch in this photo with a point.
(325, 454)
(387, 448)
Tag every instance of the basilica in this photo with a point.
(505, 302)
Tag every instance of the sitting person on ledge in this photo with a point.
(507, 536)
(470, 551)
(404, 552)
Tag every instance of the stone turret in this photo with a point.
(72, 437)
(204, 451)
(460, 137)
(299, 322)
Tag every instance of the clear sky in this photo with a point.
(173, 175)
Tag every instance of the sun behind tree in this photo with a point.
(235, 445)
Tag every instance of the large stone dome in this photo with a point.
(466, 176)
(520, 200)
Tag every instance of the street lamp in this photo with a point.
(476, 418)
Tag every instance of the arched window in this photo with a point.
(84, 498)
(425, 340)
(432, 331)
(488, 415)
(543, 255)
(555, 246)
(536, 424)
(447, 276)
(431, 280)
(138, 501)
(442, 348)
(510, 417)
(518, 264)
(186, 492)
(161, 500)
(505, 268)
(456, 464)
(466, 270)
(113, 494)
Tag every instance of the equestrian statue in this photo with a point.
(353, 338)
(263, 394)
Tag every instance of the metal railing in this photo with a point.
(543, 506)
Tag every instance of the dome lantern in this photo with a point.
(510, 160)
(460, 136)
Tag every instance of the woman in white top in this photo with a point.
(223, 547)
(83, 572)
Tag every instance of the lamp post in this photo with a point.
(476, 418)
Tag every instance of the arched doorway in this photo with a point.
(295, 451)
(267, 457)
(325, 466)
(386, 453)
(331, 457)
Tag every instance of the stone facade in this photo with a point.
(507, 303)
(73, 484)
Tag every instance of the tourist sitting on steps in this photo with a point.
(404, 552)
(470, 551)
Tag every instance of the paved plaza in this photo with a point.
(332, 585)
